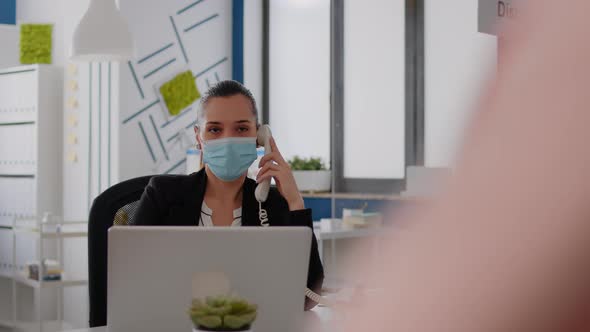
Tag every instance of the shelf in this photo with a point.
(6, 323)
(5, 274)
(21, 69)
(52, 325)
(19, 123)
(355, 196)
(63, 235)
(345, 233)
(50, 235)
(26, 176)
(43, 284)
(50, 284)
(48, 325)
(50, 231)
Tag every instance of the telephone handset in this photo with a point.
(263, 139)
(261, 194)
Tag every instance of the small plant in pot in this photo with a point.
(311, 174)
(222, 313)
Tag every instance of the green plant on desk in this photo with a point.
(222, 313)
(306, 164)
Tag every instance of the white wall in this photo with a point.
(457, 60)
(300, 77)
(207, 47)
(151, 27)
(64, 14)
(9, 56)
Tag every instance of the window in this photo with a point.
(344, 82)
(456, 59)
(374, 89)
(299, 77)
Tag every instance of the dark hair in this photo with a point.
(226, 88)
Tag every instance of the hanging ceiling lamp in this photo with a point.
(102, 34)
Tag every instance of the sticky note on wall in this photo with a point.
(35, 43)
(72, 157)
(72, 120)
(179, 92)
(73, 85)
(72, 139)
(72, 103)
(72, 69)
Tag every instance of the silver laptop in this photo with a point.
(155, 272)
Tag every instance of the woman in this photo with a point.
(221, 194)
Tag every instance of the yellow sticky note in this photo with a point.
(72, 139)
(72, 103)
(72, 69)
(72, 157)
(72, 120)
(73, 85)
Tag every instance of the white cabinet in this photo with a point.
(31, 117)
(30, 141)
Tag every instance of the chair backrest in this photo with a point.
(117, 202)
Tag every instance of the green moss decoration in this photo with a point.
(179, 92)
(35, 43)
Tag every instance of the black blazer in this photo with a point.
(175, 200)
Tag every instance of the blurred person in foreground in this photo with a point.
(507, 245)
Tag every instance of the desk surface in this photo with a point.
(355, 196)
(345, 233)
(320, 319)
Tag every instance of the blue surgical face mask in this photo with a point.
(229, 158)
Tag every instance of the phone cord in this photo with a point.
(262, 215)
(317, 298)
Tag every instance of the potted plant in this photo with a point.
(222, 313)
(311, 174)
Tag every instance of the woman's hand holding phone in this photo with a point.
(273, 165)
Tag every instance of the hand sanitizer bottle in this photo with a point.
(193, 160)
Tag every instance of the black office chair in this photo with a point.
(115, 205)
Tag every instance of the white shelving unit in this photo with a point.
(40, 231)
(21, 279)
(31, 115)
(28, 326)
(31, 144)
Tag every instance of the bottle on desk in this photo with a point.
(193, 160)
